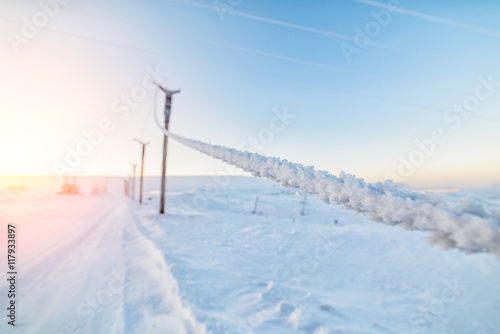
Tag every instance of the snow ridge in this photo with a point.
(466, 223)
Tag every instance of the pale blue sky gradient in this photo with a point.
(59, 85)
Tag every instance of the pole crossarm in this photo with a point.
(168, 100)
(140, 142)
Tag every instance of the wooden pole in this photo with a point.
(129, 184)
(142, 167)
(164, 172)
(133, 180)
(142, 173)
(168, 107)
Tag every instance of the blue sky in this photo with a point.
(359, 116)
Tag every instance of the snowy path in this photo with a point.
(84, 267)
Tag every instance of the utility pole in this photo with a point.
(129, 184)
(125, 187)
(142, 166)
(133, 179)
(168, 106)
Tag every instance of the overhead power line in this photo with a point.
(313, 30)
(386, 203)
(259, 52)
(435, 19)
(266, 76)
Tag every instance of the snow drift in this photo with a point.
(466, 223)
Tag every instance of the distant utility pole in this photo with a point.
(133, 180)
(168, 106)
(142, 166)
(129, 184)
(125, 186)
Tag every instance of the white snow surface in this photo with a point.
(467, 223)
(106, 264)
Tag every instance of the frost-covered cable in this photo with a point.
(466, 223)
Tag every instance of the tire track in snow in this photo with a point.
(59, 264)
(33, 263)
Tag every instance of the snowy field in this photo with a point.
(105, 264)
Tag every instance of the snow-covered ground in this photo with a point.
(105, 264)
